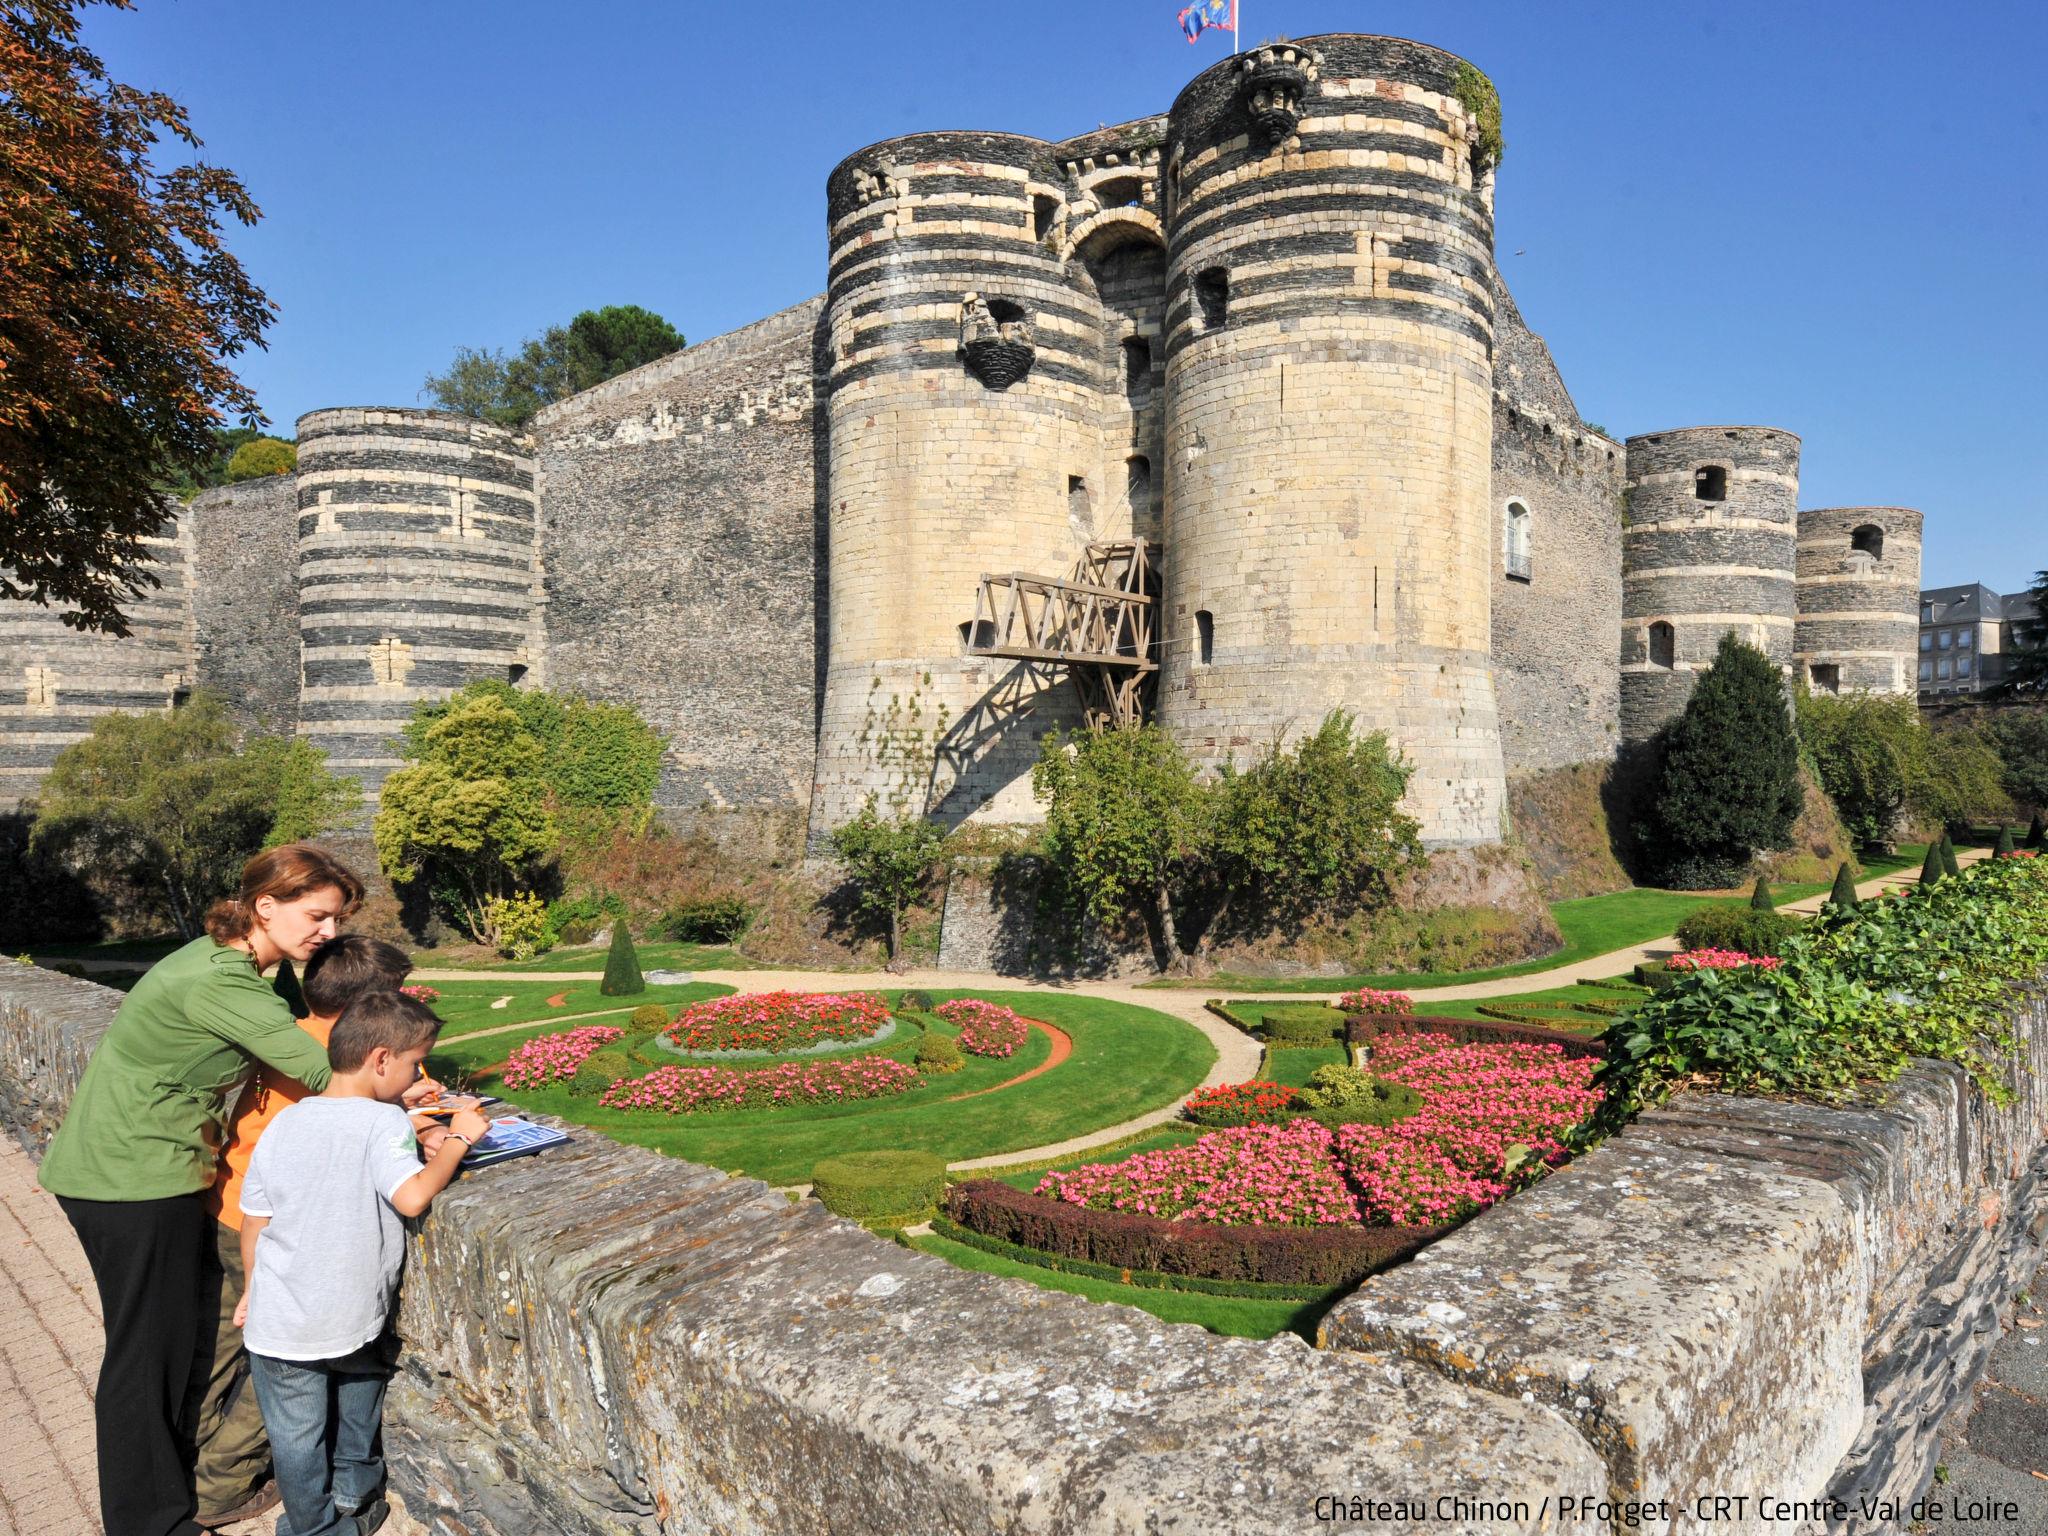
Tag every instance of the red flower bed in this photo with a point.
(555, 1058)
(986, 1029)
(695, 1090)
(1253, 1103)
(777, 1021)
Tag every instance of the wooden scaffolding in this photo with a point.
(1099, 623)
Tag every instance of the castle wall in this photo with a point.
(55, 681)
(1859, 599)
(946, 463)
(245, 599)
(1557, 613)
(1703, 565)
(1329, 427)
(681, 534)
(416, 572)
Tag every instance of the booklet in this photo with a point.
(513, 1136)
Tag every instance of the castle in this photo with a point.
(1223, 417)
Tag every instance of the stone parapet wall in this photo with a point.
(49, 1025)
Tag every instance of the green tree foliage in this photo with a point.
(1729, 783)
(1931, 868)
(1761, 899)
(262, 456)
(599, 758)
(1960, 779)
(1868, 752)
(188, 480)
(563, 360)
(1125, 819)
(1843, 897)
(469, 814)
(2026, 666)
(2019, 734)
(889, 860)
(172, 806)
(622, 976)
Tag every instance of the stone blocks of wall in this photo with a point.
(1859, 599)
(1709, 548)
(245, 599)
(1557, 612)
(49, 1025)
(681, 538)
(416, 572)
(55, 681)
(1329, 420)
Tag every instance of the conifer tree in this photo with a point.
(2037, 832)
(1931, 869)
(1949, 866)
(621, 965)
(1843, 897)
(1761, 899)
(1729, 784)
(2004, 848)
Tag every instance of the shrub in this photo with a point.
(1338, 1095)
(1949, 863)
(1301, 1026)
(262, 457)
(600, 1069)
(1144, 1279)
(1234, 1104)
(711, 920)
(915, 1002)
(2037, 833)
(778, 1021)
(936, 1055)
(2004, 847)
(1744, 928)
(1761, 899)
(572, 920)
(517, 926)
(648, 1019)
(1931, 867)
(1843, 897)
(621, 965)
(897, 1187)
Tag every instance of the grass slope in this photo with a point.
(1126, 1061)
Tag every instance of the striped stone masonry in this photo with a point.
(1859, 599)
(1708, 550)
(417, 572)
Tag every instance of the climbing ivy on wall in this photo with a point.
(1482, 100)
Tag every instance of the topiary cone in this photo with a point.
(1761, 899)
(2037, 833)
(1931, 870)
(1948, 857)
(1843, 897)
(2004, 848)
(621, 965)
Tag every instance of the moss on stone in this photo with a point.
(1480, 98)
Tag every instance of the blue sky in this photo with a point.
(1810, 214)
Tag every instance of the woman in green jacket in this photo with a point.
(137, 1149)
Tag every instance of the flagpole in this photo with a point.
(1236, 22)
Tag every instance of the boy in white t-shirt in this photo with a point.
(322, 1243)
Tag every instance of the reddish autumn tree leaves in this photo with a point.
(119, 307)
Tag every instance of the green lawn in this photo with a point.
(1294, 1066)
(1126, 1061)
(1468, 1008)
(1219, 1314)
(466, 1005)
(588, 957)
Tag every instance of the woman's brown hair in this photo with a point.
(286, 873)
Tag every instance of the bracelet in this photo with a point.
(458, 1136)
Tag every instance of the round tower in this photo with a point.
(966, 437)
(1859, 599)
(416, 572)
(1708, 548)
(55, 681)
(1329, 412)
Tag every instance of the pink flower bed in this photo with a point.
(1372, 1000)
(777, 1021)
(555, 1058)
(1721, 960)
(694, 1090)
(986, 1029)
(1492, 1116)
(424, 993)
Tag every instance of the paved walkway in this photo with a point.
(1994, 1450)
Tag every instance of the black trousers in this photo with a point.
(146, 1259)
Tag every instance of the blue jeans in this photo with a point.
(325, 1419)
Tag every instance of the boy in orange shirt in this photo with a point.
(233, 1468)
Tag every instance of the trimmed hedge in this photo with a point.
(1144, 1279)
(1535, 1010)
(603, 1067)
(647, 1019)
(938, 1054)
(1368, 1027)
(1285, 1030)
(898, 1187)
(1308, 1256)
(1743, 928)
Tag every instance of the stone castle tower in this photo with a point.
(1222, 417)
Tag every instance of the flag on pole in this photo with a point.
(1204, 14)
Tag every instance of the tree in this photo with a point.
(1959, 779)
(1867, 751)
(1729, 783)
(119, 309)
(1125, 818)
(598, 344)
(888, 860)
(2019, 734)
(261, 457)
(1949, 865)
(622, 976)
(2003, 848)
(2026, 666)
(1761, 899)
(469, 813)
(1312, 826)
(170, 805)
(1843, 897)
(1931, 867)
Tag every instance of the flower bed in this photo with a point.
(986, 1029)
(777, 1021)
(1720, 960)
(424, 994)
(697, 1090)
(1233, 1104)
(555, 1058)
(1372, 1000)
